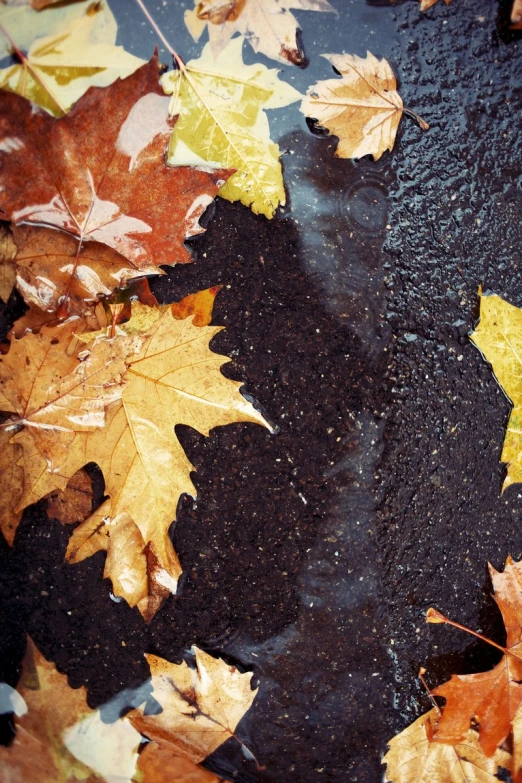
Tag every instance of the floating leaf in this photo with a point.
(61, 67)
(267, 25)
(222, 123)
(499, 337)
(414, 757)
(55, 729)
(98, 172)
(201, 707)
(363, 108)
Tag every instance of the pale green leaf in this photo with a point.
(222, 123)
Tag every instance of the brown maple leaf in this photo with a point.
(7, 263)
(201, 706)
(74, 503)
(490, 698)
(363, 108)
(158, 764)
(98, 174)
(268, 25)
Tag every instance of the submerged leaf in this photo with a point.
(267, 25)
(59, 68)
(221, 123)
(98, 172)
(499, 338)
(201, 707)
(363, 108)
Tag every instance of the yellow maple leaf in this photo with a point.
(415, 757)
(201, 707)
(221, 122)
(60, 67)
(499, 338)
(59, 739)
(7, 263)
(363, 108)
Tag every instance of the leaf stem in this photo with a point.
(422, 123)
(177, 59)
(431, 697)
(434, 616)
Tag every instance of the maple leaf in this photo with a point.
(499, 338)
(490, 698)
(13, 485)
(516, 15)
(55, 729)
(119, 406)
(425, 4)
(99, 172)
(55, 398)
(7, 265)
(23, 23)
(415, 757)
(363, 108)
(221, 122)
(202, 706)
(267, 25)
(59, 68)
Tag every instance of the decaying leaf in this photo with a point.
(268, 25)
(221, 123)
(499, 338)
(7, 263)
(55, 729)
(158, 764)
(74, 503)
(175, 379)
(415, 757)
(363, 108)
(59, 68)
(492, 698)
(99, 175)
(202, 706)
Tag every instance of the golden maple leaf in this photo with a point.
(499, 338)
(119, 406)
(221, 121)
(59, 68)
(201, 707)
(7, 264)
(363, 108)
(268, 25)
(59, 739)
(415, 757)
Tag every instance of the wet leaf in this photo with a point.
(59, 68)
(499, 337)
(268, 25)
(74, 503)
(490, 698)
(54, 726)
(98, 172)
(222, 123)
(24, 23)
(201, 707)
(7, 264)
(199, 305)
(516, 15)
(175, 379)
(52, 269)
(158, 764)
(54, 399)
(415, 757)
(425, 4)
(363, 108)
(13, 485)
